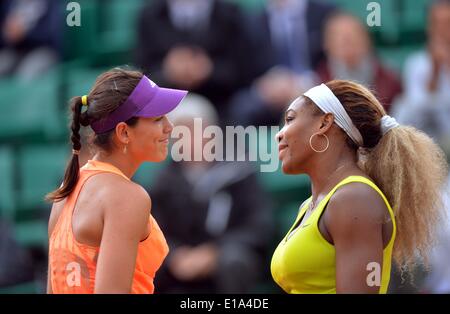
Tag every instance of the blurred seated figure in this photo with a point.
(215, 216)
(192, 44)
(29, 37)
(287, 46)
(349, 56)
(426, 100)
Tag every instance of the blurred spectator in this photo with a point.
(215, 217)
(29, 38)
(426, 100)
(192, 44)
(350, 56)
(287, 47)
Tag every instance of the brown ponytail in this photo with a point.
(110, 90)
(72, 169)
(406, 165)
(411, 170)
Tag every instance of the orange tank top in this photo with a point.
(73, 264)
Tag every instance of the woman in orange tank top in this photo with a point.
(102, 236)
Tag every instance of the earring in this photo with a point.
(319, 151)
(125, 148)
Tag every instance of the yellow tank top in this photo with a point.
(304, 262)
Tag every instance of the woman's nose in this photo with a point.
(168, 126)
(279, 136)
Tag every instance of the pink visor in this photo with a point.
(147, 100)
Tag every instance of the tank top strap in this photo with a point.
(99, 166)
(360, 179)
(91, 168)
(300, 213)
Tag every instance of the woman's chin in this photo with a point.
(287, 168)
(157, 157)
(162, 157)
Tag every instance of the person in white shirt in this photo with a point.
(425, 103)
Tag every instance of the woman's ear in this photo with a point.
(327, 122)
(122, 133)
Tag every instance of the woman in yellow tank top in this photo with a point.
(102, 236)
(375, 192)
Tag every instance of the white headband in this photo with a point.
(324, 98)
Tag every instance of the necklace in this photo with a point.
(312, 204)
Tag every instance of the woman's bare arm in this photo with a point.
(126, 217)
(355, 220)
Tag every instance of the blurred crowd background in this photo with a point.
(243, 61)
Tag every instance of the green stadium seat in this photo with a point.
(76, 78)
(357, 8)
(33, 233)
(413, 22)
(30, 110)
(284, 188)
(285, 217)
(287, 191)
(82, 41)
(389, 29)
(414, 15)
(15, 119)
(80, 80)
(395, 57)
(147, 173)
(7, 196)
(41, 171)
(119, 26)
(31, 287)
(250, 5)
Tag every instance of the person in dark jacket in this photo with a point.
(194, 45)
(215, 216)
(287, 47)
(30, 42)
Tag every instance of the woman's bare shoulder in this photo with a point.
(355, 201)
(116, 194)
